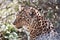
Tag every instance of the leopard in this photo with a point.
(34, 22)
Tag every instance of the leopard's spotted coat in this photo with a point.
(34, 22)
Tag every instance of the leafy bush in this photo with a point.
(9, 32)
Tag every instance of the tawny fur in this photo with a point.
(35, 23)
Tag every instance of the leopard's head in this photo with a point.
(26, 17)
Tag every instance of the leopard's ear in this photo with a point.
(21, 7)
